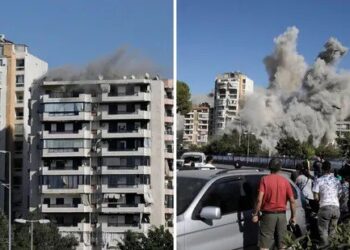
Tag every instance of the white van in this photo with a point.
(198, 158)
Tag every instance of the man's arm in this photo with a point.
(258, 207)
(316, 196)
(259, 202)
(292, 209)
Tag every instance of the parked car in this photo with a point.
(214, 209)
(197, 158)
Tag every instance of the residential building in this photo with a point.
(343, 127)
(196, 126)
(18, 70)
(230, 91)
(102, 157)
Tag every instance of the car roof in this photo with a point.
(210, 174)
(193, 153)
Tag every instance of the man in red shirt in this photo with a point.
(274, 192)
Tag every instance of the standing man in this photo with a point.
(274, 192)
(327, 190)
(317, 167)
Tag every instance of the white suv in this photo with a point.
(214, 209)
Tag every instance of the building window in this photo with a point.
(1, 50)
(20, 64)
(19, 80)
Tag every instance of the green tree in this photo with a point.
(307, 150)
(45, 236)
(131, 241)
(289, 146)
(157, 238)
(344, 144)
(3, 232)
(328, 151)
(183, 96)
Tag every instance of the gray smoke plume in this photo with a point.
(123, 62)
(301, 101)
(202, 98)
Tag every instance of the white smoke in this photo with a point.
(301, 101)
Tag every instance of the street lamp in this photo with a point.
(248, 135)
(23, 221)
(9, 187)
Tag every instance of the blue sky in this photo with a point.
(224, 35)
(76, 32)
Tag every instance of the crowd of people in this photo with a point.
(325, 198)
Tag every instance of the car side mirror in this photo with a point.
(210, 213)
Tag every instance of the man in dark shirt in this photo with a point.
(274, 192)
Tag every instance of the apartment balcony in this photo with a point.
(169, 119)
(65, 208)
(140, 133)
(80, 134)
(125, 208)
(66, 152)
(168, 191)
(65, 97)
(233, 85)
(168, 137)
(81, 227)
(81, 189)
(137, 97)
(169, 155)
(20, 87)
(126, 152)
(132, 188)
(122, 228)
(19, 104)
(169, 210)
(107, 170)
(72, 116)
(82, 170)
(137, 115)
(168, 101)
(220, 102)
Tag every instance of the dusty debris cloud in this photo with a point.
(301, 100)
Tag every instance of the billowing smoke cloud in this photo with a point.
(123, 62)
(199, 99)
(301, 101)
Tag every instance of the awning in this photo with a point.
(111, 196)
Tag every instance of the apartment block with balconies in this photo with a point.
(230, 91)
(196, 126)
(18, 70)
(102, 156)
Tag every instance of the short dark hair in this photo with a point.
(209, 158)
(275, 165)
(326, 167)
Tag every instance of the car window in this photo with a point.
(228, 194)
(193, 158)
(254, 180)
(187, 189)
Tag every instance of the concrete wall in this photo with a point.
(158, 152)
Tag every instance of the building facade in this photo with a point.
(196, 126)
(18, 70)
(230, 91)
(102, 157)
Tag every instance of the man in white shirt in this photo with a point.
(327, 190)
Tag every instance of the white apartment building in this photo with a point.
(18, 70)
(102, 157)
(230, 91)
(196, 126)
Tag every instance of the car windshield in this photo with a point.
(192, 158)
(187, 189)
